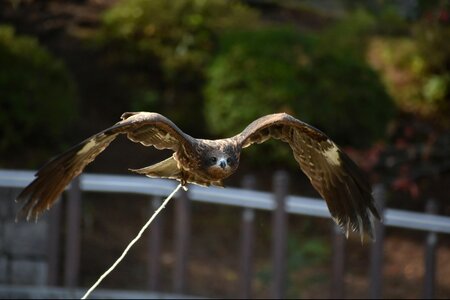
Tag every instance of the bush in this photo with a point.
(179, 33)
(345, 98)
(431, 39)
(347, 37)
(415, 70)
(255, 74)
(267, 71)
(169, 44)
(37, 94)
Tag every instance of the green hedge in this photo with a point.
(255, 74)
(271, 70)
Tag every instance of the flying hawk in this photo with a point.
(207, 162)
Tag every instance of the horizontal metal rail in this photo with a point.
(227, 196)
(45, 292)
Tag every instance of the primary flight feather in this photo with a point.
(207, 162)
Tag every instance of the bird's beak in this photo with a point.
(223, 163)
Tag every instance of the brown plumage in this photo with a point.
(207, 162)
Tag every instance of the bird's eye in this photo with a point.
(213, 160)
(228, 160)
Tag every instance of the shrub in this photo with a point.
(347, 37)
(37, 94)
(431, 40)
(179, 33)
(267, 71)
(169, 44)
(345, 98)
(255, 74)
(415, 70)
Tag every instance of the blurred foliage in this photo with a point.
(304, 255)
(390, 22)
(416, 70)
(171, 42)
(279, 69)
(347, 37)
(258, 70)
(37, 94)
(254, 74)
(306, 252)
(343, 95)
(432, 40)
(415, 160)
(179, 33)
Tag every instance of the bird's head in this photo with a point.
(220, 163)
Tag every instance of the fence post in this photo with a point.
(376, 253)
(54, 221)
(430, 255)
(154, 253)
(338, 264)
(279, 250)
(72, 250)
(246, 244)
(182, 237)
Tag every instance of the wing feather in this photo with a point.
(332, 173)
(149, 129)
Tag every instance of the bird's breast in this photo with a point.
(218, 173)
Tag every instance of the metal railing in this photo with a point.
(249, 200)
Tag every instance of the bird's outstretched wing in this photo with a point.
(149, 129)
(332, 173)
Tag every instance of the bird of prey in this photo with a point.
(207, 162)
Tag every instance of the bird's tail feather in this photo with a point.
(167, 168)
